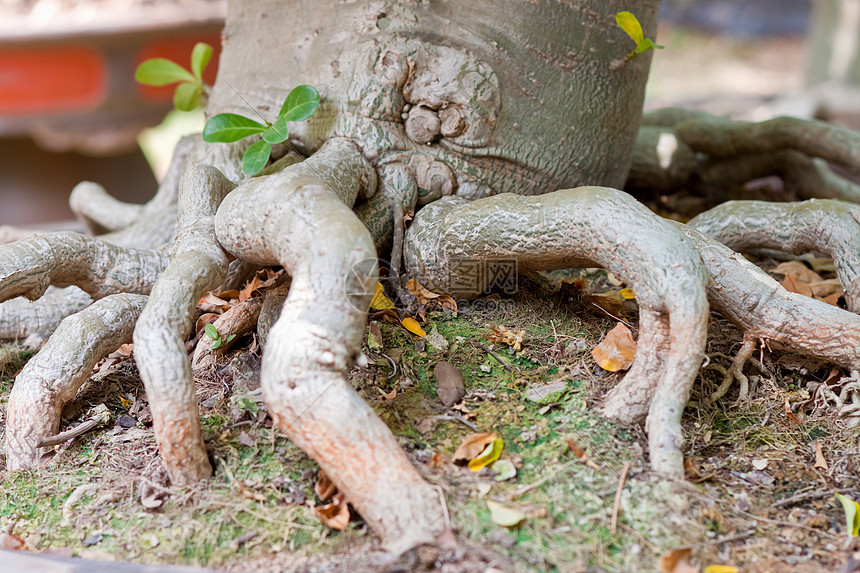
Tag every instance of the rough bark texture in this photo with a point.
(52, 377)
(198, 265)
(451, 245)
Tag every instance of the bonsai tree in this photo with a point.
(508, 128)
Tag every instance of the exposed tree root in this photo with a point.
(736, 372)
(198, 265)
(818, 225)
(52, 377)
(301, 219)
(235, 322)
(586, 227)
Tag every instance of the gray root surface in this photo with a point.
(198, 265)
(236, 321)
(52, 377)
(301, 219)
(815, 226)
(587, 227)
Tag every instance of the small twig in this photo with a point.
(102, 416)
(455, 416)
(809, 495)
(486, 348)
(616, 505)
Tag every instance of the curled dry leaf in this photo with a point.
(513, 338)
(472, 446)
(412, 326)
(676, 561)
(820, 460)
(427, 297)
(792, 283)
(799, 270)
(617, 349)
(213, 303)
(334, 514)
(324, 488)
(505, 515)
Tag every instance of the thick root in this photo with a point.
(818, 225)
(235, 322)
(29, 266)
(198, 265)
(452, 246)
(761, 308)
(52, 377)
(301, 219)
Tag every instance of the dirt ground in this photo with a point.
(762, 470)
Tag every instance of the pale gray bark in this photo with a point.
(52, 377)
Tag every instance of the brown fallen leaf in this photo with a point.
(449, 383)
(792, 283)
(676, 561)
(580, 454)
(324, 488)
(513, 338)
(617, 349)
(471, 446)
(390, 395)
(8, 540)
(820, 460)
(832, 299)
(334, 514)
(205, 319)
(427, 297)
(212, 303)
(799, 270)
(826, 288)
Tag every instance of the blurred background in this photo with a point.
(71, 111)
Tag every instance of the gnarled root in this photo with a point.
(198, 265)
(761, 308)
(818, 225)
(586, 227)
(301, 219)
(52, 377)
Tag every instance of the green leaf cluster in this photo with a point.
(299, 105)
(160, 72)
(630, 24)
(213, 333)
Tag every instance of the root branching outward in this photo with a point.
(299, 215)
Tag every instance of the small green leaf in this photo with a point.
(256, 157)
(648, 44)
(187, 96)
(200, 56)
(230, 338)
(215, 345)
(852, 514)
(228, 127)
(160, 72)
(278, 131)
(302, 102)
(211, 331)
(630, 24)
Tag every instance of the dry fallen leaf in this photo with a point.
(505, 515)
(676, 562)
(820, 460)
(489, 455)
(617, 349)
(213, 303)
(324, 488)
(792, 283)
(513, 338)
(379, 300)
(799, 270)
(412, 326)
(427, 297)
(720, 569)
(334, 514)
(471, 446)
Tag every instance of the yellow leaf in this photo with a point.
(380, 301)
(412, 326)
(504, 515)
(472, 446)
(617, 349)
(490, 454)
(852, 514)
(628, 294)
(720, 569)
